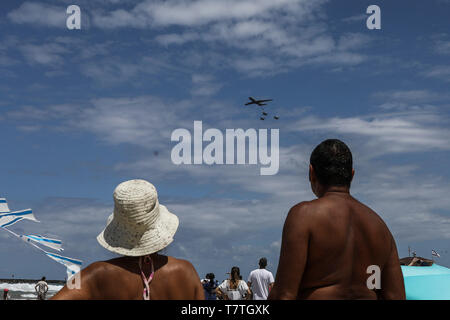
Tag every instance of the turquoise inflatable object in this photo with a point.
(427, 282)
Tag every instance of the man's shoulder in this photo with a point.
(301, 212)
(317, 209)
(253, 275)
(268, 272)
(305, 207)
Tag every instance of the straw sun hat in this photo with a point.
(139, 224)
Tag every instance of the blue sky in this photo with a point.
(83, 110)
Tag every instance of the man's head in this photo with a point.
(262, 263)
(331, 165)
(43, 279)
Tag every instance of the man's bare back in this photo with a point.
(120, 278)
(341, 238)
(329, 243)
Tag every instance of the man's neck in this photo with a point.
(334, 189)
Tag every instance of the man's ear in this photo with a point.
(353, 173)
(311, 173)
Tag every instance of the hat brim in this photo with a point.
(116, 238)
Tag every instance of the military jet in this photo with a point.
(258, 102)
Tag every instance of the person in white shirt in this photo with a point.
(41, 289)
(260, 281)
(234, 288)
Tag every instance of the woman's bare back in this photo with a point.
(120, 279)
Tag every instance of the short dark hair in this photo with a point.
(43, 279)
(332, 162)
(263, 262)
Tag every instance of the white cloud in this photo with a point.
(109, 72)
(204, 85)
(39, 14)
(144, 121)
(269, 35)
(414, 213)
(254, 65)
(356, 18)
(409, 96)
(388, 133)
(442, 47)
(178, 39)
(254, 37)
(46, 54)
(201, 12)
(439, 72)
(40, 115)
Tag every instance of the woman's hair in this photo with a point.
(235, 274)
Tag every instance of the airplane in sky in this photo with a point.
(258, 102)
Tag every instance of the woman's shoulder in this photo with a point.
(180, 266)
(224, 283)
(242, 283)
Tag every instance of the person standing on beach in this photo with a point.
(5, 294)
(260, 281)
(329, 244)
(209, 286)
(234, 288)
(138, 230)
(41, 289)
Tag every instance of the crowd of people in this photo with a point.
(257, 287)
(327, 245)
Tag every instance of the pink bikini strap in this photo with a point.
(147, 260)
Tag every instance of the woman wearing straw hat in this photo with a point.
(138, 229)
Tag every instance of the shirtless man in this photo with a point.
(139, 228)
(328, 243)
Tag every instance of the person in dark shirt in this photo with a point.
(210, 285)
